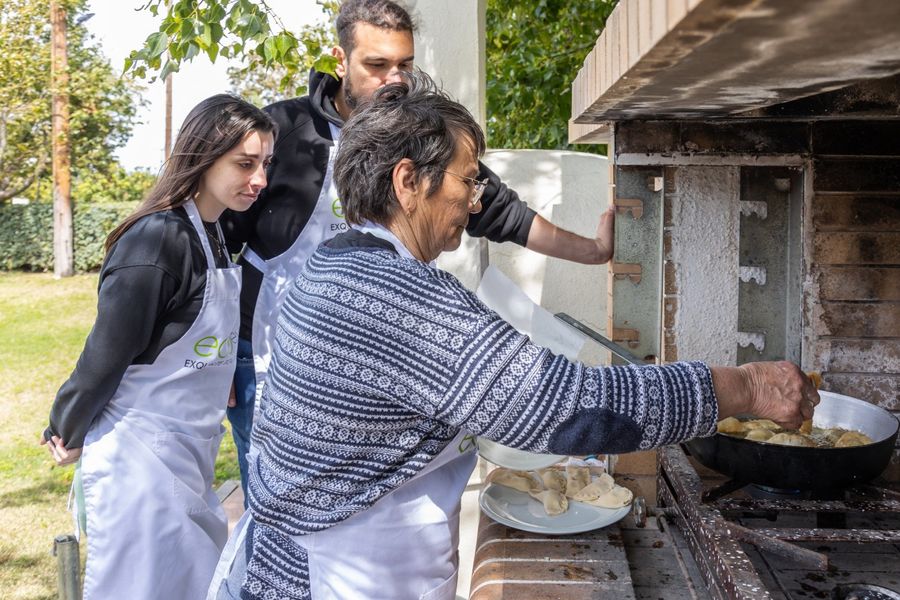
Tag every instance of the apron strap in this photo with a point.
(254, 259)
(197, 222)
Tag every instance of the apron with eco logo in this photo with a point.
(326, 221)
(155, 527)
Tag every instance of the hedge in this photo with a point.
(26, 234)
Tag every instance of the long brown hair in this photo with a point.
(211, 129)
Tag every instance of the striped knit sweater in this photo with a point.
(381, 360)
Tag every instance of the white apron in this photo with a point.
(155, 527)
(326, 221)
(404, 547)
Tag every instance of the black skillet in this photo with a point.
(792, 467)
(798, 468)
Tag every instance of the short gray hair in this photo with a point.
(411, 119)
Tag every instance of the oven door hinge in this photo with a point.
(634, 205)
(630, 270)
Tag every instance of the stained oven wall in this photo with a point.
(853, 286)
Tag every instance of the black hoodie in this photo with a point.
(295, 179)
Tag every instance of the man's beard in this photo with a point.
(349, 97)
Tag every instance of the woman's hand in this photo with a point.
(779, 391)
(58, 451)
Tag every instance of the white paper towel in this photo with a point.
(502, 294)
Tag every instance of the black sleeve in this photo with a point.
(503, 216)
(129, 304)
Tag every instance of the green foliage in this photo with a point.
(118, 185)
(534, 51)
(244, 29)
(101, 106)
(26, 234)
(43, 323)
(263, 85)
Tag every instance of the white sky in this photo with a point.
(119, 29)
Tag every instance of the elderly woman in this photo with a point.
(383, 362)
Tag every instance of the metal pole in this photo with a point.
(65, 548)
(63, 234)
(167, 151)
(168, 148)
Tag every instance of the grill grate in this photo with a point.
(778, 545)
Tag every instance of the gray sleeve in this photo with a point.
(128, 308)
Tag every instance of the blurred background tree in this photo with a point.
(534, 52)
(103, 106)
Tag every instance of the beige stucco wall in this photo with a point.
(568, 189)
(450, 47)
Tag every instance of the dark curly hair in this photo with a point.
(383, 14)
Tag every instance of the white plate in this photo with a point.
(512, 458)
(520, 511)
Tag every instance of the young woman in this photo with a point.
(143, 408)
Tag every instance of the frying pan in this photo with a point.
(800, 468)
(793, 467)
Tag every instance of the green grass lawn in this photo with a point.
(43, 325)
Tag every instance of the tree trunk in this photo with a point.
(63, 234)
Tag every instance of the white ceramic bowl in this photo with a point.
(511, 458)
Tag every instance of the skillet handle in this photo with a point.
(600, 339)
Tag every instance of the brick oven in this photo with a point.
(755, 150)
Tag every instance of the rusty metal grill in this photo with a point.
(782, 546)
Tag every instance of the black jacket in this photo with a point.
(295, 180)
(151, 290)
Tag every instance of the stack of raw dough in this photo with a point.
(555, 487)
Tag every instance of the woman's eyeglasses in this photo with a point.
(480, 185)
